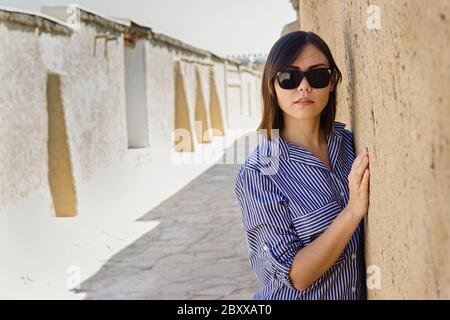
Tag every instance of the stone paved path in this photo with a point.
(198, 251)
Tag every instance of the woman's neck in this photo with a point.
(304, 133)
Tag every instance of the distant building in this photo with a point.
(254, 61)
(294, 25)
(83, 91)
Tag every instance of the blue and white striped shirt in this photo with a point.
(288, 197)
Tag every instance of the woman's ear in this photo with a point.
(332, 86)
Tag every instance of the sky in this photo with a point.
(221, 26)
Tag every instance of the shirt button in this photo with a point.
(353, 256)
(265, 248)
(342, 194)
(353, 289)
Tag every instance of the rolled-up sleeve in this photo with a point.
(272, 242)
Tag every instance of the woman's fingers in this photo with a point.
(360, 169)
(359, 158)
(365, 180)
(362, 166)
(357, 161)
(359, 183)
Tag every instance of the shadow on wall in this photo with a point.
(61, 181)
(201, 118)
(183, 132)
(204, 129)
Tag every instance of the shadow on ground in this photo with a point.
(198, 251)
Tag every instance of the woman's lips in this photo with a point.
(303, 102)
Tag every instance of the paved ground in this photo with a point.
(197, 252)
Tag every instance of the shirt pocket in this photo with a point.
(310, 225)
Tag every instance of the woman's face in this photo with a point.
(310, 57)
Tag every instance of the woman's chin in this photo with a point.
(302, 114)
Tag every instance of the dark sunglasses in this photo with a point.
(317, 78)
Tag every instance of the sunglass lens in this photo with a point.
(289, 79)
(318, 78)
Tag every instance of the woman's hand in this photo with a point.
(312, 261)
(358, 184)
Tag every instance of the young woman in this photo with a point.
(303, 217)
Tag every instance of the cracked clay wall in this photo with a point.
(394, 56)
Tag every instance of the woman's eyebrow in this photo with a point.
(317, 65)
(310, 67)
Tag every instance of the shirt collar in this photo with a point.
(289, 151)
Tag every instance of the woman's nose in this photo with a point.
(304, 85)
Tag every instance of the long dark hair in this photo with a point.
(283, 54)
